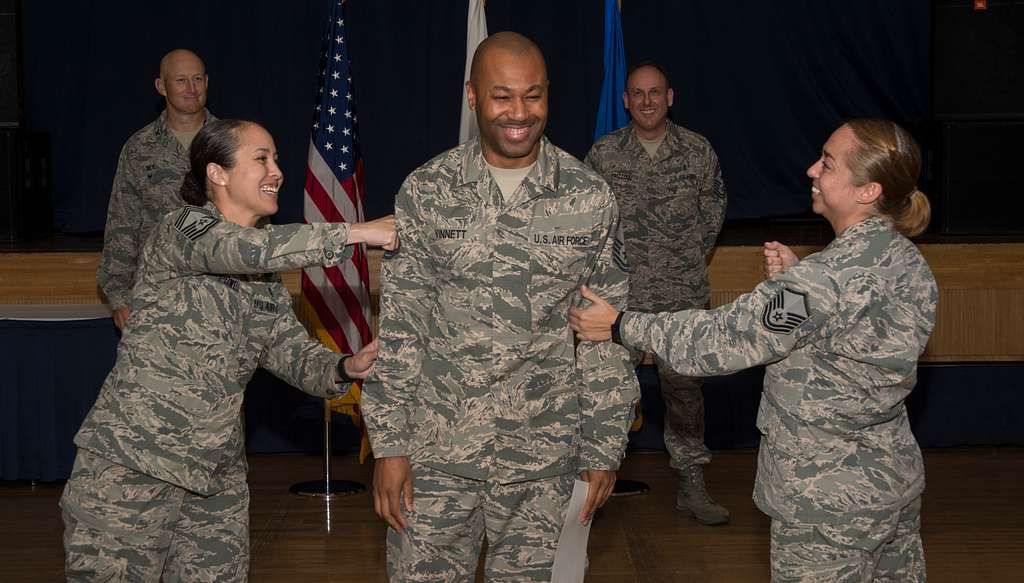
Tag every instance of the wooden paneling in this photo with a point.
(980, 315)
(981, 296)
(49, 278)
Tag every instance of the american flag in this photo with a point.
(340, 296)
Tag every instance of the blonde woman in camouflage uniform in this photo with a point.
(839, 471)
(159, 489)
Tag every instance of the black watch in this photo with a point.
(616, 333)
(341, 370)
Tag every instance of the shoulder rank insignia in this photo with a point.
(619, 256)
(193, 222)
(787, 310)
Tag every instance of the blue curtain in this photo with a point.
(765, 81)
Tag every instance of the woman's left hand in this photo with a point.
(594, 322)
(360, 364)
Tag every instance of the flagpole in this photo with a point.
(332, 172)
(611, 115)
(327, 488)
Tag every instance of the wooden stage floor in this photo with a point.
(973, 525)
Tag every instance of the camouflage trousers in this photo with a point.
(121, 525)
(684, 418)
(451, 515)
(888, 552)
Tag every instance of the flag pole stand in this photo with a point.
(327, 488)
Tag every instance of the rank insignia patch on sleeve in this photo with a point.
(194, 222)
(787, 310)
(619, 256)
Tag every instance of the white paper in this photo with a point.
(571, 555)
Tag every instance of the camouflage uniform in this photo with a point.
(478, 378)
(161, 468)
(150, 170)
(841, 332)
(672, 210)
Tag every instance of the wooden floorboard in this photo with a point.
(973, 525)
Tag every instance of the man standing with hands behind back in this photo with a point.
(150, 171)
(484, 411)
(669, 186)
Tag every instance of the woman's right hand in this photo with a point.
(778, 258)
(376, 233)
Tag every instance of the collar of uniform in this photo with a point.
(213, 209)
(632, 141)
(161, 128)
(872, 224)
(543, 175)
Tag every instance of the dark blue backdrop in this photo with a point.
(765, 81)
(53, 371)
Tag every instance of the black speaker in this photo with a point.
(979, 178)
(978, 60)
(10, 76)
(26, 198)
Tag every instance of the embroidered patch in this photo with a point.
(787, 310)
(230, 282)
(194, 222)
(619, 256)
(264, 306)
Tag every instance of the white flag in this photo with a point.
(476, 32)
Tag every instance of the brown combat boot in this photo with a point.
(693, 498)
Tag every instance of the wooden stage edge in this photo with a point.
(981, 303)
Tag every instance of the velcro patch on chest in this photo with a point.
(787, 310)
(622, 176)
(264, 306)
(559, 239)
(450, 233)
(194, 222)
(230, 282)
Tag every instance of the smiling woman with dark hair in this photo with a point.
(159, 484)
(839, 471)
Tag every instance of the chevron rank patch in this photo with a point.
(193, 222)
(787, 310)
(619, 256)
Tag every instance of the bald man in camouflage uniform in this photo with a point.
(668, 184)
(150, 170)
(839, 470)
(158, 486)
(484, 410)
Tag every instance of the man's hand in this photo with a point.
(778, 258)
(377, 233)
(120, 316)
(601, 483)
(360, 364)
(392, 483)
(594, 322)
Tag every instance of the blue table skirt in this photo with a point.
(51, 372)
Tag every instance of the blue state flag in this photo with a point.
(611, 114)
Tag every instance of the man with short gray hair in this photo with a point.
(669, 186)
(150, 169)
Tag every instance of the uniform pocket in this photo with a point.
(560, 248)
